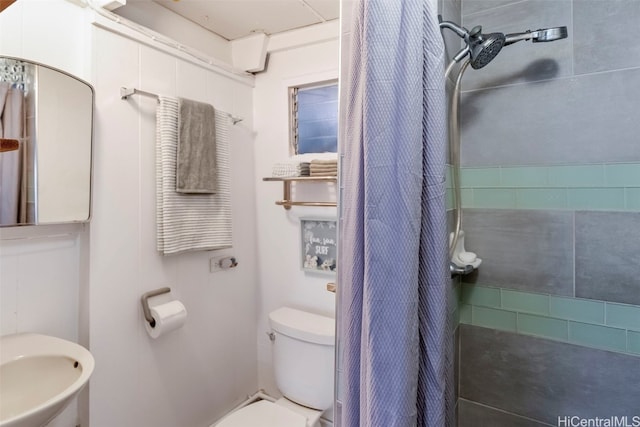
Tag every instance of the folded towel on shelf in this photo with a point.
(290, 169)
(308, 164)
(321, 167)
(324, 173)
(321, 162)
(196, 170)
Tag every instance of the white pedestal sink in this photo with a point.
(39, 376)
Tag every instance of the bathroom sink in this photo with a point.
(39, 376)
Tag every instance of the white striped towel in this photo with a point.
(190, 222)
(290, 169)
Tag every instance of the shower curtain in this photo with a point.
(395, 341)
(11, 127)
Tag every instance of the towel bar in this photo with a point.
(126, 92)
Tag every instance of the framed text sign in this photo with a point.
(319, 245)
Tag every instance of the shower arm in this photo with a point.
(518, 37)
(464, 34)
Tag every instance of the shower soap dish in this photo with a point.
(461, 257)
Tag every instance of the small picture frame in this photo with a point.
(319, 245)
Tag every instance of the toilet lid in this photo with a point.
(263, 414)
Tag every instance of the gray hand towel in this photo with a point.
(196, 169)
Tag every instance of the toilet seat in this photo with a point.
(263, 414)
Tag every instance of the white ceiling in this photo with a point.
(234, 19)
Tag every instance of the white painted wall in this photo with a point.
(52, 32)
(195, 375)
(282, 282)
(164, 21)
(191, 377)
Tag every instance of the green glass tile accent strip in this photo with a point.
(454, 318)
(596, 198)
(589, 323)
(576, 176)
(465, 314)
(467, 197)
(623, 316)
(622, 175)
(493, 318)
(498, 198)
(542, 198)
(632, 199)
(479, 177)
(577, 309)
(448, 197)
(480, 295)
(457, 292)
(546, 327)
(633, 342)
(525, 302)
(520, 177)
(602, 337)
(593, 187)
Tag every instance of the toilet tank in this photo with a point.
(303, 356)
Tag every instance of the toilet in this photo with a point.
(303, 347)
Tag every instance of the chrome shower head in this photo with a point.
(550, 34)
(484, 47)
(538, 36)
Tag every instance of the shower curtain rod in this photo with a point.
(127, 92)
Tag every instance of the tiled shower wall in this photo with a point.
(550, 324)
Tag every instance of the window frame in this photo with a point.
(292, 92)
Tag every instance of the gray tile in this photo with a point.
(601, 39)
(470, 7)
(524, 61)
(471, 414)
(579, 120)
(529, 250)
(456, 355)
(607, 256)
(452, 42)
(543, 379)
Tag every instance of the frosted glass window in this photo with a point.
(314, 119)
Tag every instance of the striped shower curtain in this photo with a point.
(395, 361)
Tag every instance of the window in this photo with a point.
(314, 118)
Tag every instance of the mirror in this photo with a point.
(46, 128)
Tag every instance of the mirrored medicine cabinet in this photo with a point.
(46, 130)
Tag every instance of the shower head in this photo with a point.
(484, 47)
(551, 34)
(537, 36)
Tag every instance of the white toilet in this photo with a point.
(303, 362)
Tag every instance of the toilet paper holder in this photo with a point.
(145, 304)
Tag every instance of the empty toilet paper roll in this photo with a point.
(169, 317)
